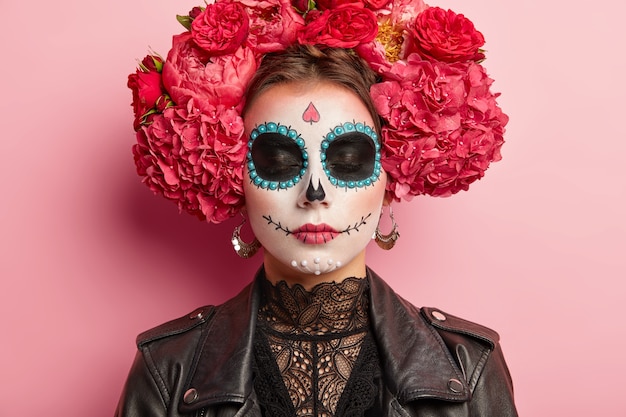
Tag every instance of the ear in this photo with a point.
(388, 195)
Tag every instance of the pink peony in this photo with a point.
(403, 12)
(375, 54)
(188, 73)
(389, 46)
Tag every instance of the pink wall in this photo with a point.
(90, 257)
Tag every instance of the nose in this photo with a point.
(313, 194)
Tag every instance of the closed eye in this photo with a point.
(276, 157)
(351, 157)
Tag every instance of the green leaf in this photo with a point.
(158, 63)
(185, 21)
(143, 67)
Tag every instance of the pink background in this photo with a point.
(90, 257)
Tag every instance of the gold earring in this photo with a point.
(243, 249)
(388, 241)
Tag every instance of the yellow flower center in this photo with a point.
(390, 37)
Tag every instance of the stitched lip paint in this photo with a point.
(315, 234)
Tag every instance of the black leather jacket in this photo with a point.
(434, 364)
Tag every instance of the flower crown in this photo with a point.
(441, 125)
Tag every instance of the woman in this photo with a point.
(317, 333)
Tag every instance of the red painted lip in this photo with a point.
(315, 234)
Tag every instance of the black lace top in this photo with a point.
(314, 352)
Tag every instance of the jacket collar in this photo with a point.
(414, 359)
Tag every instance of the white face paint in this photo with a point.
(314, 188)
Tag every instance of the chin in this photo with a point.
(317, 265)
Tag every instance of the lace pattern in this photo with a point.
(308, 347)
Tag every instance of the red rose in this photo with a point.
(346, 26)
(333, 4)
(152, 63)
(221, 28)
(147, 87)
(445, 36)
(195, 12)
(376, 4)
(273, 24)
(301, 6)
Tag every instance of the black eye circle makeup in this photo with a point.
(351, 155)
(277, 157)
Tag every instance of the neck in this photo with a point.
(276, 271)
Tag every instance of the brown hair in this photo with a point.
(307, 63)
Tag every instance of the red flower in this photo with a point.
(389, 45)
(195, 160)
(273, 24)
(333, 4)
(376, 4)
(442, 126)
(147, 87)
(221, 28)
(195, 12)
(188, 73)
(346, 26)
(445, 36)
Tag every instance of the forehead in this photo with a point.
(290, 105)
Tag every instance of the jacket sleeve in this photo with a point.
(141, 396)
(493, 394)
(478, 353)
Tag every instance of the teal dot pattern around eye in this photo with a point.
(347, 128)
(272, 127)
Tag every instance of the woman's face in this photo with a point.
(313, 182)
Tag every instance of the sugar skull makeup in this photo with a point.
(278, 159)
(315, 184)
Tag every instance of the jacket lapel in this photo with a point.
(415, 361)
(222, 369)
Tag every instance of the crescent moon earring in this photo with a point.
(387, 241)
(243, 249)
